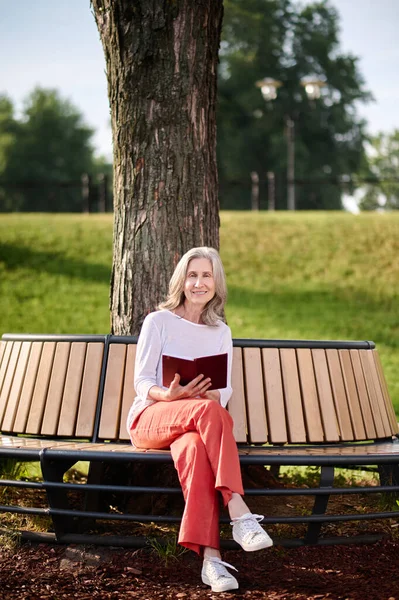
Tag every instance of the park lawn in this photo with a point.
(290, 275)
(55, 273)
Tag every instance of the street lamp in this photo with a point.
(312, 87)
(269, 87)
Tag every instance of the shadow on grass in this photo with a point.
(55, 263)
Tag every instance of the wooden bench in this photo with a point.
(65, 399)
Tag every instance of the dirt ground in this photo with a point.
(33, 572)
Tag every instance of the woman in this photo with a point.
(192, 420)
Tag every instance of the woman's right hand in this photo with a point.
(197, 386)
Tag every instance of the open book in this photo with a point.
(214, 366)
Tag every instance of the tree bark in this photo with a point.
(161, 58)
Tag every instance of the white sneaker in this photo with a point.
(249, 534)
(215, 574)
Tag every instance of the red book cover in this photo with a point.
(214, 366)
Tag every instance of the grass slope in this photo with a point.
(301, 275)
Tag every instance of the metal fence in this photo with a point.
(89, 194)
(93, 194)
(271, 192)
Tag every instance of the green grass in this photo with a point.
(54, 273)
(300, 275)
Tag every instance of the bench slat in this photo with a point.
(7, 441)
(9, 416)
(236, 404)
(380, 394)
(327, 407)
(28, 388)
(274, 396)
(7, 348)
(352, 450)
(310, 399)
(363, 396)
(89, 392)
(352, 395)
(372, 370)
(73, 384)
(257, 423)
(292, 395)
(387, 399)
(2, 348)
(56, 389)
(386, 409)
(375, 408)
(128, 391)
(104, 447)
(12, 365)
(41, 386)
(113, 388)
(339, 394)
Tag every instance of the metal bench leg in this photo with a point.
(275, 471)
(389, 474)
(320, 504)
(53, 471)
(95, 475)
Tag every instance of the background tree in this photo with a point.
(44, 153)
(161, 62)
(8, 134)
(384, 166)
(286, 41)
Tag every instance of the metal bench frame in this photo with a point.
(59, 454)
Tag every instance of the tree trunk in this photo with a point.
(161, 58)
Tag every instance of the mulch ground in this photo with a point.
(34, 572)
(352, 572)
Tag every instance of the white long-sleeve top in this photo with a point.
(163, 332)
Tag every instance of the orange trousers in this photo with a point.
(199, 434)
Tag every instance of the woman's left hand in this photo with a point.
(211, 395)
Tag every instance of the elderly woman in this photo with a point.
(192, 419)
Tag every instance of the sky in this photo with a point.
(55, 44)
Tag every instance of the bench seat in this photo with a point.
(366, 453)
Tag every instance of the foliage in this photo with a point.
(12, 470)
(290, 275)
(8, 133)
(44, 154)
(384, 165)
(310, 477)
(288, 42)
(166, 549)
(10, 540)
(388, 501)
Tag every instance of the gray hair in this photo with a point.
(213, 311)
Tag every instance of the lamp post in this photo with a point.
(269, 87)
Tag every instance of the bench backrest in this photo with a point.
(81, 387)
(284, 392)
(49, 385)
